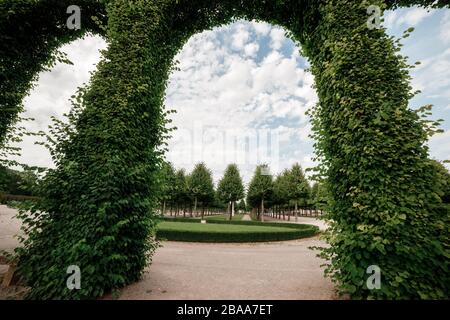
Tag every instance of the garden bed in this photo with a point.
(231, 231)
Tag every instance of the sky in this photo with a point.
(242, 91)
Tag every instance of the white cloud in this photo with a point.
(445, 27)
(406, 17)
(52, 92)
(261, 28)
(251, 49)
(440, 146)
(243, 91)
(278, 37)
(240, 37)
(431, 76)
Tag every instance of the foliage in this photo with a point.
(319, 195)
(181, 191)
(242, 206)
(18, 182)
(168, 185)
(230, 187)
(443, 181)
(97, 207)
(260, 187)
(200, 184)
(280, 188)
(381, 188)
(298, 189)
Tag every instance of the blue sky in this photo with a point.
(243, 89)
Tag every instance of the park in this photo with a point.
(129, 224)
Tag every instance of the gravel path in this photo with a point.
(9, 228)
(301, 220)
(180, 270)
(282, 270)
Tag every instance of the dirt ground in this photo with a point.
(180, 270)
(9, 228)
(281, 270)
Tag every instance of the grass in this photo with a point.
(213, 227)
(236, 217)
(231, 231)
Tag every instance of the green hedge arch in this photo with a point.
(98, 206)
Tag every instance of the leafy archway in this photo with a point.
(97, 209)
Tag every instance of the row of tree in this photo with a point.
(195, 193)
(15, 182)
(284, 194)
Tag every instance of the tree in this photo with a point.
(18, 182)
(260, 188)
(297, 187)
(242, 206)
(201, 186)
(280, 192)
(319, 195)
(167, 176)
(313, 195)
(230, 188)
(181, 194)
(443, 181)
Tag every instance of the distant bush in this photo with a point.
(9, 198)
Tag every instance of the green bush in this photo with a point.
(7, 198)
(240, 231)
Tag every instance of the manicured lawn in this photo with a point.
(236, 217)
(212, 227)
(231, 232)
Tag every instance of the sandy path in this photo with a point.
(180, 270)
(9, 228)
(283, 270)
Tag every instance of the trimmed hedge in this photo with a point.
(243, 231)
(5, 198)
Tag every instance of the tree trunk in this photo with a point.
(295, 212)
(195, 207)
(232, 208)
(261, 216)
